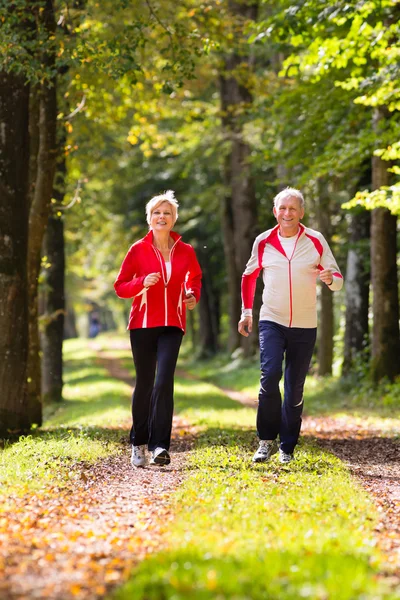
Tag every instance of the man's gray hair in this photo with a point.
(289, 193)
(168, 196)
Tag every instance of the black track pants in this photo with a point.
(155, 353)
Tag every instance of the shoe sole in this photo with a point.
(162, 459)
(138, 466)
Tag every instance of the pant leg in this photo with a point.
(144, 352)
(299, 351)
(272, 346)
(162, 400)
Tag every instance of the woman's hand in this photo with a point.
(151, 279)
(190, 301)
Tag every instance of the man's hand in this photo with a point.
(190, 301)
(326, 276)
(246, 323)
(151, 279)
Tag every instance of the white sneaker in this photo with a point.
(138, 458)
(160, 456)
(284, 457)
(265, 450)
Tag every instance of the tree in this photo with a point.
(357, 289)
(239, 207)
(14, 210)
(43, 166)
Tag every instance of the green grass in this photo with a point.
(85, 428)
(281, 532)
(323, 396)
(269, 531)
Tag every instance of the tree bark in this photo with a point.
(208, 313)
(53, 294)
(39, 213)
(70, 330)
(54, 311)
(14, 207)
(326, 320)
(385, 332)
(357, 289)
(239, 207)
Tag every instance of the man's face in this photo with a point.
(288, 213)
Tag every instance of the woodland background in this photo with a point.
(105, 104)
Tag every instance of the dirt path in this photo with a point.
(81, 541)
(373, 457)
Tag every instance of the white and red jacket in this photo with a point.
(160, 304)
(290, 291)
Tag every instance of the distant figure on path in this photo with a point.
(162, 275)
(291, 257)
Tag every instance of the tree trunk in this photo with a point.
(207, 315)
(14, 207)
(326, 319)
(385, 333)
(38, 216)
(54, 310)
(54, 294)
(239, 207)
(70, 330)
(357, 289)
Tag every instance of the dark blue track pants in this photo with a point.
(296, 345)
(154, 348)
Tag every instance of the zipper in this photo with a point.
(165, 277)
(290, 282)
(166, 305)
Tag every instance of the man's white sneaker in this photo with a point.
(138, 458)
(284, 457)
(265, 450)
(160, 456)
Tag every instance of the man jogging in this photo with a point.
(291, 257)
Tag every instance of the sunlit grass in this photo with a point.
(88, 426)
(267, 531)
(323, 396)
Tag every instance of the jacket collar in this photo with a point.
(273, 239)
(148, 238)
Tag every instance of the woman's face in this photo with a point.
(162, 217)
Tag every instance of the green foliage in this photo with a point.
(384, 197)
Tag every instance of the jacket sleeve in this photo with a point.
(127, 285)
(328, 262)
(193, 278)
(249, 281)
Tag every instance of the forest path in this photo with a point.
(372, 454)
(81, 540)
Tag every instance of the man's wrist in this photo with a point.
(247, 312)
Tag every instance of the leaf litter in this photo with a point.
(82, 539)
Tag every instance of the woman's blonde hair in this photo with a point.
(168, 196)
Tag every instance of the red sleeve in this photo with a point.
(249, 283)
(127, 285)
(193, 282)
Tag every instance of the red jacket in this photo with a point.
(160, 304)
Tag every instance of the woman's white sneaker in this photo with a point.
(138, 458)
(265, 450)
